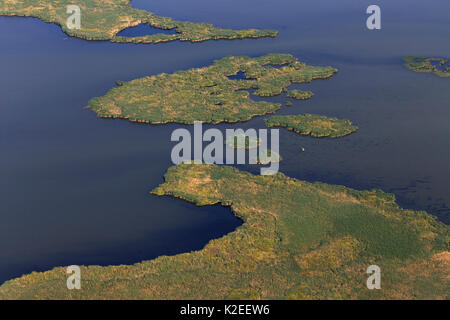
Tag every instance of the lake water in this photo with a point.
(143, 30)
(75, 188)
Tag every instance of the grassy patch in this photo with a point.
(314, 125)
(207, 94)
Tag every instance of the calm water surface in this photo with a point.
(75, 189)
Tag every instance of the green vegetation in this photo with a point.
(299, 95)
(298, 240)
(207, 94)
(242, 141)
(314, 125)
(424, 65)
(104, 19)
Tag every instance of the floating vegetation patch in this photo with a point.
(436, 66)
(299, 95)
(196, 94)
(314, 125)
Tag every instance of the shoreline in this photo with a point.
(172, 187)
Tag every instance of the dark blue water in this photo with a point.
(75, 189)
(143, 30)
(239, 76)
